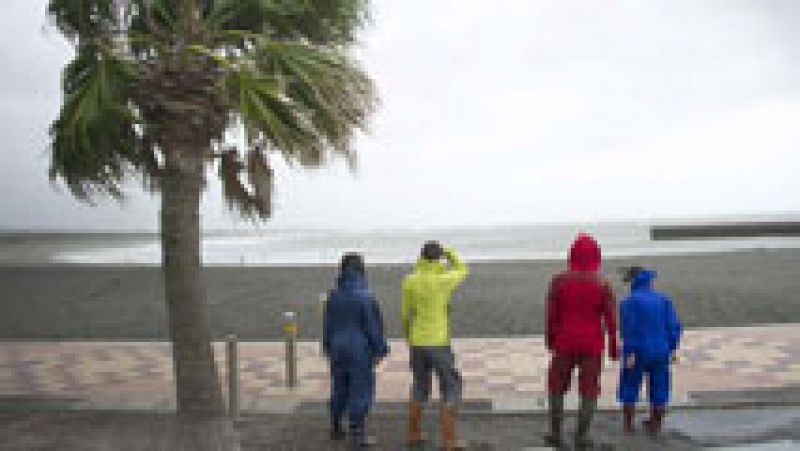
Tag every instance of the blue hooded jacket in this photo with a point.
(650, 326)
(353, 325)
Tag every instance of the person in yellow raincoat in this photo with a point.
(426, 324)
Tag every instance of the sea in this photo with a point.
(287, 247)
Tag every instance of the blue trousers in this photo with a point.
(658, 382)
(352, 391)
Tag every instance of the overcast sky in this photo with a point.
(493, 112)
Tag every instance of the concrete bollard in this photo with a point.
(232, 359)
(290, 332)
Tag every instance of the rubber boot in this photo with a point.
(585, 414)
(358, 439)
(556, 410)
(414, 436)
(448, 425)
(337, 433)
(653, 424)
(628, 412)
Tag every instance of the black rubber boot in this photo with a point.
(653, 424)
(337, 433)
(628, 412)
(585, 414)
(556, 410)
(358, 439)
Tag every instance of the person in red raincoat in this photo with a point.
(579, 303)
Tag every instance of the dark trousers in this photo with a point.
(559, 375)
(352, 391)
(426, 360)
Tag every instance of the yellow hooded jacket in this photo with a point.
(426, 300)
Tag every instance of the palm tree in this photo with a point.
(150, 92)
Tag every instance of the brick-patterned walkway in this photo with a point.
(509, 371)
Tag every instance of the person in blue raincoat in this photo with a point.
(354, 342)
(651, 334)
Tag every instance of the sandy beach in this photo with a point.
(499, 298)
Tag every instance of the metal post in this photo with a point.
(232, 358)
(290, 330)
(322, 300)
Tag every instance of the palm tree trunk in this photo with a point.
(197, 383)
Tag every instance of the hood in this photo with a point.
(351, 279)
(644, 279)
(584, 255)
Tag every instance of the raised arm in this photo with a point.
(458, 268)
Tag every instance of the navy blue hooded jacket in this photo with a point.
(650, 327)
(353, 325)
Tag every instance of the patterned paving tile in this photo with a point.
(514, 368)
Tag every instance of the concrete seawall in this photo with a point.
(730, 230)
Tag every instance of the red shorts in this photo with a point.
(559, 375)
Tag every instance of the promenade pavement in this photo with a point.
(508, 373)
(734, 387)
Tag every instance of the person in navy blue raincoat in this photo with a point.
(651, 334)
(354, 342)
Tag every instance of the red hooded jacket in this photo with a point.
(578, 302)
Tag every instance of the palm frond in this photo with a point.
(315, 21)
(267, 113)
(261, 179)
(94, 142)
(154, 17)
(334, 94)
(83, 18)
(255, 200)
